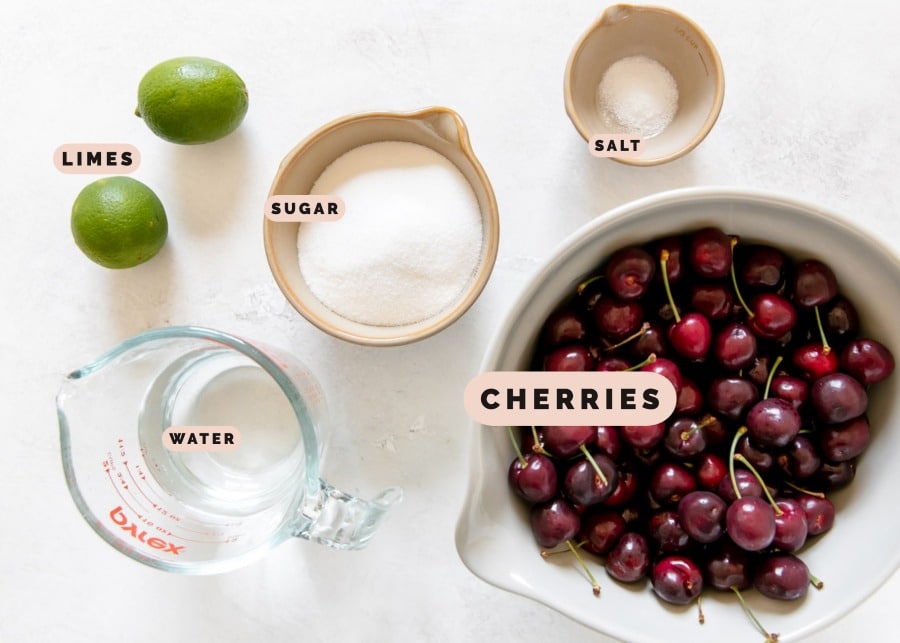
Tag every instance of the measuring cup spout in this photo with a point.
(341, 521)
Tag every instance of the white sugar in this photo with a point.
(408, 243)
(638, 95)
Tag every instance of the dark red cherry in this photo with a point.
(536, 480)
(563, 327)
(691, 336)
(813, 284)
(618, 319)
(773, 316)
(713, 300)
(677, 579)
(867, 360)
(710, 253)
(815, 360)
(629, 272)
(570, 358)
(735, 347)
(763, 267)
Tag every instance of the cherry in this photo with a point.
(815, 360)
(677, 579)
(762, 460)
(675, 268)
(837, 398)
(690, 335)
(690, 399)
(651, 342)
(629, 272)
(867, 360)
(566, 441)
(773, 422)
(813, 284)
(782, 576)
(643, 437)
(554, 522)
(726, 566)
(584, 486)
(712, 300)
(730, 397)
(750, 522)
(763, 267)
(834, 475)
(612, 364)
(792, 389)
(845, 441)
(685, 437)
(563, 327)
(710, 253)
(772, 316)
(629, 560)
(735, 346)
(747, 484)
(669, 482)
(570, 358)
(533, 477)
(665, 529)
(791, 528)
(600, 530)
(608, 442)
(819, 512)
(618, 319)
(625, 490)
(841, 318)
(702, 515)
(710, 471)
(800, 458)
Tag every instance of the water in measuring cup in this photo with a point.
(224, 389)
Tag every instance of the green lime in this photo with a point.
(119, 222)
(192, 100)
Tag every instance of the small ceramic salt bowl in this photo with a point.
(672, 40)
(437, 128)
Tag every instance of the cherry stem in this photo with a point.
(548, 554)
(815, 582)
(771, 637)
(700, 616)
(771, 376)
(731, 455)
(587, 282)
(587, 571)
(536, 447)
(744, 461)
(706, 421)
(650, 359)
(825, 347)
(594, 465)
(663, 260)
(515, 442)
(816, 494)
(734, 281)
(643, 329)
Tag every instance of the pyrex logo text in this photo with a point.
(118, 517)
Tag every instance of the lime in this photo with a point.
(192, 100)
(118, 222)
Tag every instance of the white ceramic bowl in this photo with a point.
(493, 536)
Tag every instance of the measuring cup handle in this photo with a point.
(341, 521)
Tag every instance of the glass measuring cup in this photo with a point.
(207, 509)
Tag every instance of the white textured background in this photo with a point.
(811, 110)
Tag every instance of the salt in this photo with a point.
(638, 95)
(408, 243)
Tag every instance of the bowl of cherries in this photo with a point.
(762, 508)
